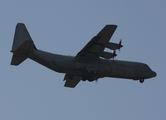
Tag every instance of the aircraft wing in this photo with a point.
(95, 47)
(71, 80)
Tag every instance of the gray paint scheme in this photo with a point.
(91, 63)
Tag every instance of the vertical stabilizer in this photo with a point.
(21, 35)
(22, 44)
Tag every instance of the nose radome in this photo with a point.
(154, 74)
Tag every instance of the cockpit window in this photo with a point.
(147, 66)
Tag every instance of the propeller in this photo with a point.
(120, 44)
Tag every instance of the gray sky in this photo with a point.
(31, 91)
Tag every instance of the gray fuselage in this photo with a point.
(92, 68)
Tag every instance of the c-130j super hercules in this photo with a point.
(91, 63)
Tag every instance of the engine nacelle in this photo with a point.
(114, 46)
(107, 55)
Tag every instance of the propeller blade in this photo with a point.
(120, 44)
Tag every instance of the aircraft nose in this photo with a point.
(154, 74)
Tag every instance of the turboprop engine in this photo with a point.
(107, 55)
(114, 46)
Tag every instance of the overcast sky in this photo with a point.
(32, 92)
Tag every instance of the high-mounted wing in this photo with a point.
(95, 47)
(71, 80)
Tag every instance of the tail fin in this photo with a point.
(22, 45)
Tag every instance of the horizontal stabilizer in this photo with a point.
(25, 47)
(22, 52)
(17, 59)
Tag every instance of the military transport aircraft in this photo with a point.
(91, 63)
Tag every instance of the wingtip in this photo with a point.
(20, 24)
(112, 25)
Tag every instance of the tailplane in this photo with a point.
(22, 45)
